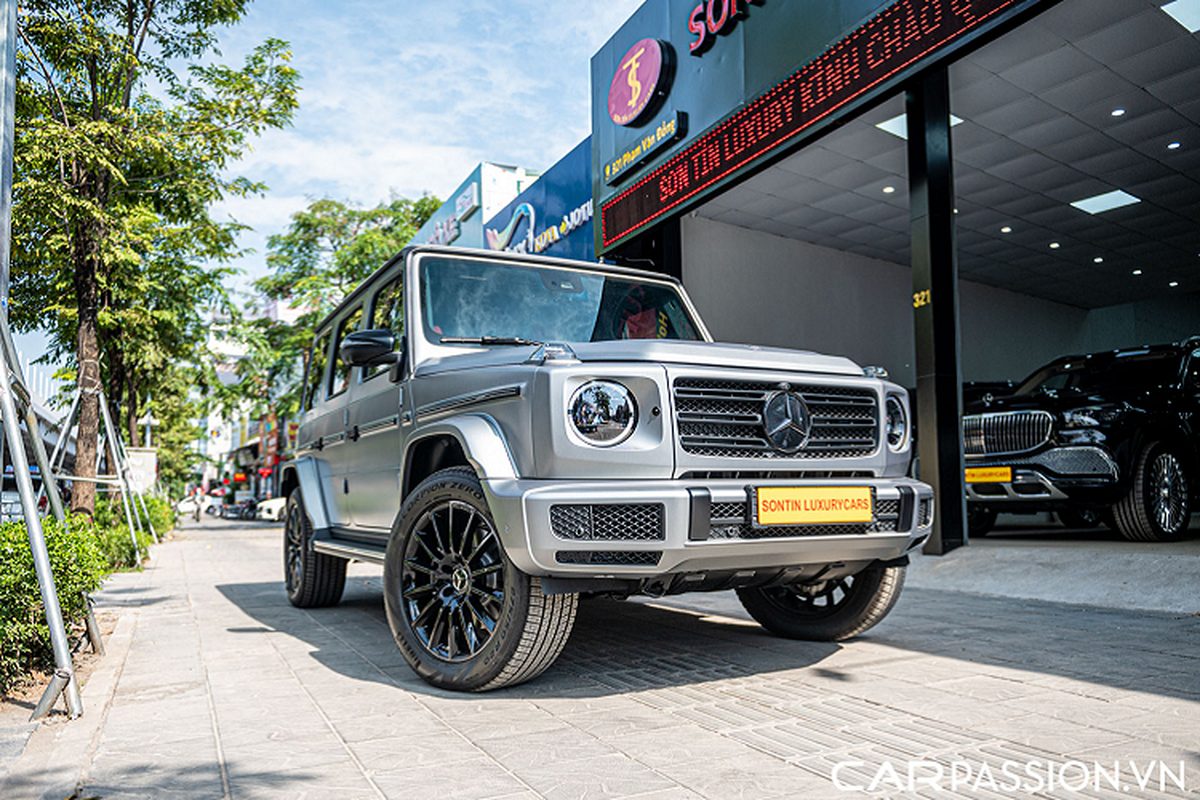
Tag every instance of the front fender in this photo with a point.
(309, 479)
(481, 441)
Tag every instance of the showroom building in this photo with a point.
(950, 189)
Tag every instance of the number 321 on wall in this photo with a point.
(921, 299)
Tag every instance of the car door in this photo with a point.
(375, 448)
(317, 422)
(337, 406)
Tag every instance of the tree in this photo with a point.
(328, 250)
(118, 156)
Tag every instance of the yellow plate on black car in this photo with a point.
(813, 505)
(989, 474)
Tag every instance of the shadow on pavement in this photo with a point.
(629, 646)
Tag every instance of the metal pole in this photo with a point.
(12, 430)
(37, 540)
(935, 301)
(123, 487)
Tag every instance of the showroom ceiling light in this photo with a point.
(1173, 284)
(898, 126)
(1174, 145)
(889, 189)
(1098, 260)
(1055, 245)
(1118, 112)
(1006, 229)
(1185, 12)
(1106, 202)
(1137, 272)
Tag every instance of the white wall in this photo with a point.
(759, 288)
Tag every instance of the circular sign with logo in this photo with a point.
(640, 77)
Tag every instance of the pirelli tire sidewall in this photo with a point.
(487, 665)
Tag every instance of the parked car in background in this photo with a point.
(1112, 435)
(272, 510)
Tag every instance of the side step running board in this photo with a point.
(358, 552)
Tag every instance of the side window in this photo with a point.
(388, 312)
(1192, 380)
(316, 369)
(339, 379)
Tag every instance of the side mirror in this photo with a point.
(369, 348)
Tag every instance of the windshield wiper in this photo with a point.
(514, 341)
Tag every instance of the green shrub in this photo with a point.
(78, 566)
(116, 546)
(162, 514)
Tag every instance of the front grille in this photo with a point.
(608, 522)
(624, 558)
(728, 521)
(723, 419)
(1005, 432)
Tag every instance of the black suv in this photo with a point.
(1113, 436)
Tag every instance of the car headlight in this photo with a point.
(603, 412)
(1091, 416)
(897, 424)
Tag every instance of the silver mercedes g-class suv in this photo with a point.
(505, 433)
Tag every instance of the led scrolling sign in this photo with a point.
(897, 38)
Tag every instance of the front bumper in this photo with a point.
(689, 526)
(1058, 474)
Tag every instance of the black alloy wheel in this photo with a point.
(462, 614)
(830, 610)
(452, 581)
(1157, 507)
(312, 579)
(980, 519)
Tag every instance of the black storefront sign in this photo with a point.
(867, 64)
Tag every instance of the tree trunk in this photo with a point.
(83, 495)
(89, 236)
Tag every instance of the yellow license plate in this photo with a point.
(989, 474)
(814, 505)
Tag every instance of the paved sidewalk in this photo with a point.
(215, 687)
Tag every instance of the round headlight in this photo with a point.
(897, 424)
(603, 413)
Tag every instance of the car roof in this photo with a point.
(532, 260)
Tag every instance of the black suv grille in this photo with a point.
(728, 521)
(608, 521)
(723, 418)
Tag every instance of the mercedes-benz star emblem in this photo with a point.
(787, 421)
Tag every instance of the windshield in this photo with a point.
(477, 298)
(1132, 372)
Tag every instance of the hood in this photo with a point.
(660, 351)
(714, 354)
(1059, 401)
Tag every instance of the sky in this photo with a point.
(408, 97)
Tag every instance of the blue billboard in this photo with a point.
(553, 216)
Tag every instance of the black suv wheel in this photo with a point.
(829, 611)
(462, 615)
(1157, 508)
(313, 579)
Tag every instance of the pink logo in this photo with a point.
(637, 79)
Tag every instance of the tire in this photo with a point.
(980, 520)
(462, 615)
(1080, 517)
(1156, 509)
(830, 611)
(313, 580)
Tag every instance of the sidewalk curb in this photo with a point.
(59, 753)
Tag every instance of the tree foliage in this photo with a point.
(330, 248)
(119, 154)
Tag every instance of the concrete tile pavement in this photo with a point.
(215, 687)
